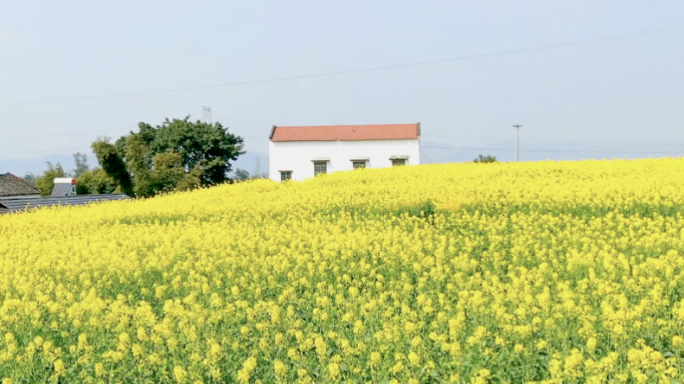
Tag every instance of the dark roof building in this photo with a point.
(16, 194)
(16, 205)
(14, 186)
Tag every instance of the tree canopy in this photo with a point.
(30, 178)
(45, 182)
(179, 154)
(81, 161)
(485, 159)
(96, 182)
(90, 181)
(241, 174)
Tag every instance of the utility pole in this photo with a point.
(206, 115)
(258, 167)
(517, 141)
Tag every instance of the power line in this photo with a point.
(544, 150)
(58, 134)
(599, 142)
(94, 131)
(428, 147)
(88, 146)
(5, 139)
(246, 121)
(264, 137)
(45, 151)
(562, 141)
(426, 156)
(448, 148)
(362, 70)
(679, 144)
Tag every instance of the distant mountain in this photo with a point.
(431, 152)
(248, 162)
(556, 151)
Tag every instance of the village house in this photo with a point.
(14, 187)
(298, 153)
(17, 194)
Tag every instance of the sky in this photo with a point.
(71, 71)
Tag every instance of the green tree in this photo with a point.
(30, 178)
(139, 165)
(113, 165)
(241, 174)
(192, 180)
(96, 182)
(177, 155)
(485, 159)
(46, 182)
(81, 160)
(157, 173)
(167, 172)
(209, 146)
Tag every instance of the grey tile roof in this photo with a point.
(14, 205)
(61, 190)
(11, 185)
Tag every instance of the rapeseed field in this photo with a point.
(549, 272)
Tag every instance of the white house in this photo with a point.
(298, 153)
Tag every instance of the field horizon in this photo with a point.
(544, 272)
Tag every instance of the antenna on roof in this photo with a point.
(64, 187)
(206, 115)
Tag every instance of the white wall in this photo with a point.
(297, 156)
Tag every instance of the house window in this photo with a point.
(285, 175)
(359, 164)
(320, 167)
(397, 162)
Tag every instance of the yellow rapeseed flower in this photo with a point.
(179, 374)
(396, 274)
(334, 370)
(279, 368)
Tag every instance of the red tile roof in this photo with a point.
(346, 132)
